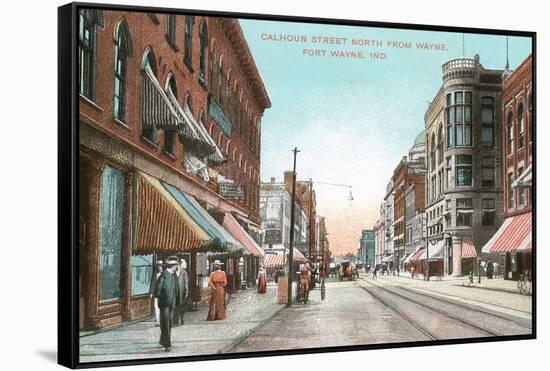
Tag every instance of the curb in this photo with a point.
(229, 347)
(509, 291)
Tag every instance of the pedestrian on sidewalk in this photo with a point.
(168, 294)
(217, 282)
(262, 280)
(183, 283)
(489, 268)
(412, 272)
(159, 267)
(375, 272)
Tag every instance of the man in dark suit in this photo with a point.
(168, 294)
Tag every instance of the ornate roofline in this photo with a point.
(246, 60)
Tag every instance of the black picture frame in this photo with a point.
(68, 182)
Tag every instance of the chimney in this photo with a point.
(272, 179)
(288, 178)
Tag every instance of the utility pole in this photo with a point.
(291, 246)
(312, 251)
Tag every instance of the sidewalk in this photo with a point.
(493, 296)
(247, 310)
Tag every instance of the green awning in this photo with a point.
(220, 238)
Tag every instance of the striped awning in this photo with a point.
(162, 225)
(513, 235)
(156, 109)
(274, 261)
(240, 234)
(468, 249)
(219, 238)
(280, 260)
(416, 256)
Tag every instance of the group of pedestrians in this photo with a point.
(169, 290)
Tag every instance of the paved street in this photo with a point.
(365, 311)
(382, 311)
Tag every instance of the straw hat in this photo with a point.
(159, 262)
(217, 262)
(172, 260)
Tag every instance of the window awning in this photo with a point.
(468, 249)
(387, 258)
(513, 235)
(435, 221)
(435, 252)
(240, 234)
(156, 109)
(416, 256)
(410, 257)
(161, 224)
(274, 261)
(525, 179)
(279, 260)
(192, 134)
(219, 238)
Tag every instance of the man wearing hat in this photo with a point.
(183, 283)
(159, 267)
(168, 294)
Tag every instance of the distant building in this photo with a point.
(366, 252)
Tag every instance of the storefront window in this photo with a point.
(142, 271)
(111, 226)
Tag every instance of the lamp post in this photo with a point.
(291, 245)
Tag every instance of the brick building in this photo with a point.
(511, 245)
(169, 120)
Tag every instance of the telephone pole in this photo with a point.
(291, 246)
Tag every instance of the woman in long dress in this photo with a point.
(262, 281)
(216, 282)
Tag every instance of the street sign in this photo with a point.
(230, 190)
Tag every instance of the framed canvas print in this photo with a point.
(243, 185)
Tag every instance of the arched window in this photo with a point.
(171, 29)
(440, 144)
(170, 135)
(188, 40)
(487, 121)
(510, 133)
(123, 51)
(149, 61)
(521, 126)
(220, 83)
(89, 19)
(433, 151)
(203, 36)
(213, 72)
(530, 117)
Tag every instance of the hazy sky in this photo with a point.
(353, 119)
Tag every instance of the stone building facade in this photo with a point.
(464, 181)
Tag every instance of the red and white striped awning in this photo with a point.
(515, 234)
(279, 260)
(468, 249)
(416, 256)
(240, 234)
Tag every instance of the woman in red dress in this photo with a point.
(262, 280)
(216, 282)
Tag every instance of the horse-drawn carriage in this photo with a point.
(347, 270)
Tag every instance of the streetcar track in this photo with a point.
(401, 314)
(451, 302)
(436, 310)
